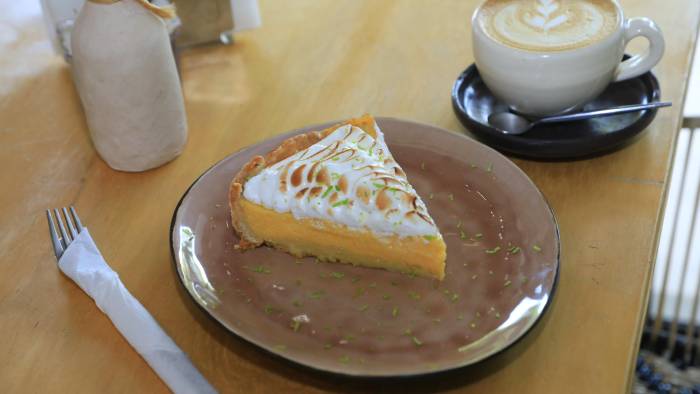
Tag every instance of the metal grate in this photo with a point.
(669, 359)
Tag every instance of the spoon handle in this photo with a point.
(602, 112)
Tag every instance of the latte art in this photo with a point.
(548, 25)
(543, 17)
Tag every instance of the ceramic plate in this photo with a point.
(502, 263)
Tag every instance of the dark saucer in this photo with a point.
(473, 103)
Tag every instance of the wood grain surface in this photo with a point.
(312, 61)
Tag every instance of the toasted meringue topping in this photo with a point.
(350, 178)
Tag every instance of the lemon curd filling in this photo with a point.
(336, 243)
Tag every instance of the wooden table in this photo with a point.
(311, 62)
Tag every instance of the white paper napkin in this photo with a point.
(83, 263)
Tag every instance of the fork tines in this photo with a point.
(64, 229)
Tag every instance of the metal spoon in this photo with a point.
(513, 124)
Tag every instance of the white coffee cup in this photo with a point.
(545, 82)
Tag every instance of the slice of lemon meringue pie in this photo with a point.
(338, 195)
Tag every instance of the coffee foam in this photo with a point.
(548, 25)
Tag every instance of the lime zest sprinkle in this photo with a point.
(386, 297)
(508, 282)
(454, 297)
(422, 165)
(297, 303)
(355, 279)
(341, 202)
(337, 275)
(429, 237)
(344, 359)
(462, 235)
(327, 192)
(364, 308)
(373, 285)
(327, 346)
(430, 196)
(337, 188)
(459, 224)
(489, 168)
(407, 331)
(269, 309)
(414, 295)
(359, 292)
(395, 311)
(261, 270)
(514, 250)
(416, 341)
(536, 248)
(478, 235)
(316, 294)
(295, 324)
(451, 197)
(493, 251)
(377, 185)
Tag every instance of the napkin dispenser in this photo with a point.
(199, 22)
(204, 21)
(211, 21)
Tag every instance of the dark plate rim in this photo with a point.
(524, 148)
(339, 372)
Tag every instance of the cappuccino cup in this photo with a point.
(544, 57)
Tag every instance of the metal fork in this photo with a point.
(60, 237)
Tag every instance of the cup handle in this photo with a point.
(639, 64)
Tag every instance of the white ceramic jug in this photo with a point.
(125, 73)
